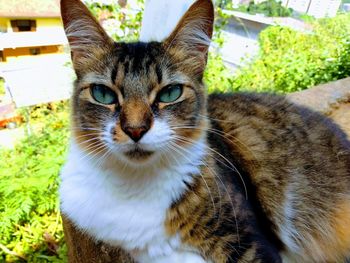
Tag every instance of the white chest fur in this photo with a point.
(124, 212)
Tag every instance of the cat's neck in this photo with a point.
(118, 203)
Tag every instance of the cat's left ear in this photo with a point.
(193, 33)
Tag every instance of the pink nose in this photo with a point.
(135, 133)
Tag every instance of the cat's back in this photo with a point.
(269, 127)
(299, 164)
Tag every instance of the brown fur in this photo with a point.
(276, 177)
(83, 249)
(279, 154)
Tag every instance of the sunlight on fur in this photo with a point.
(166, 173)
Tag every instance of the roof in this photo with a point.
(264, 20)
(29, 8)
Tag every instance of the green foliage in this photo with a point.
(2, 87)
(271, 8)
(217, 76)
(289, 60)
(31, 228)
(306, 18)
(122, 24)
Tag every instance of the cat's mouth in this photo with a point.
(138, 154)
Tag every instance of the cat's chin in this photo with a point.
(138, 155)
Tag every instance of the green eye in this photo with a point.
(103, 94)
(170, 94)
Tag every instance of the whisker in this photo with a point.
(214, 119)
(86, 129)
(91, 145)
(178, 150)
(224, 135)
(103, 157)
(227, 192)
(218, 132)
(203, 163)
(166, 155)
(89, 140)
(99, 150)
(100, 146)
(231, 166)
(88, 134)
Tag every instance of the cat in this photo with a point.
(170, 174)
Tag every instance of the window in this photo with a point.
(34, 51)
(23, 25)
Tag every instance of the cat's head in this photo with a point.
(138, 101)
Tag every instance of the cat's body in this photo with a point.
(170, 175)
(298, 162)
(153, 212)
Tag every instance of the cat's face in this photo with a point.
(138, 101)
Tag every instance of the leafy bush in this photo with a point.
(121, 24)
(31, 228)
(271, 8)
(217, 76)
(289, 60)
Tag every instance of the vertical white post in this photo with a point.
(160, 18)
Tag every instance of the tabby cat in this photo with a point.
(170, 174)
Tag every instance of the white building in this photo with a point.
(323, 8)
(316, 8)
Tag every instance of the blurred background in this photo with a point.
(263, 46)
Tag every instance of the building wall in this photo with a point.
(299, 5)
(322, 8)
(42, 24)
(44, 27)
(3, 24)
(45, 24)
(316, 8)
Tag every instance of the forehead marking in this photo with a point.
(114, 73)
(159, 73)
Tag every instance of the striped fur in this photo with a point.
(224, 178)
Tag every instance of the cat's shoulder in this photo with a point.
(273, 123)
(276, 111)
(249, 103)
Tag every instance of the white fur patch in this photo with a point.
(123, 209)
(175, 257)
(288, 232)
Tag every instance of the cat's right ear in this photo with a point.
(193, 33)
(83, 31)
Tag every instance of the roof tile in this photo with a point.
(29, 8)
